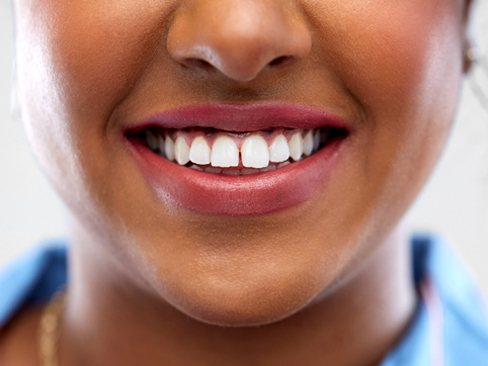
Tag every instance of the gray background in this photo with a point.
(454, 203)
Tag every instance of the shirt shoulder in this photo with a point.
(463, 308)
(32, 278)
(451, 324)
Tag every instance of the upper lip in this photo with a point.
(242, 117)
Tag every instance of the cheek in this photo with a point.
(76, 62)
(402, 64)
(393, 54)
(93, 53)
(412, 89)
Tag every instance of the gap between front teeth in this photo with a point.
(226, 151)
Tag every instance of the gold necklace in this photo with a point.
(49, 330)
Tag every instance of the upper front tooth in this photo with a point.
(182, 150)
(308, 143)
(279, 150)
(255, 153)
(296, 146)
(224, 152)
(200, 151)
(169, 148)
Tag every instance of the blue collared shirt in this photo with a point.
(450, 327)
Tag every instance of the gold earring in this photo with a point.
(471, 58)
(472, 54)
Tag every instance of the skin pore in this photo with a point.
(325, 282)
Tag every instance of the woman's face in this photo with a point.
(95, 75)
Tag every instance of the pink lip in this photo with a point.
(243, 117)
(239, 195)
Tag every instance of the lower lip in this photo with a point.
(248, 195)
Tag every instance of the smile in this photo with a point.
(218, 152)
(237, 160)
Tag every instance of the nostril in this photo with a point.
(198, 63)
(279, 60)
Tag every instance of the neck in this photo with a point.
(356, 324)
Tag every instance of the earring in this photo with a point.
(472, 57)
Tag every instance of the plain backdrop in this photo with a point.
(454, 203)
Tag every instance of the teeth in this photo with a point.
(196, 167)
(161, 144)
(269, 168)
(248, 171)
(224, 152)
(316, 140)
(308, 143)
(200, 151)
(152, 140)
(182, 151)
(257, 156)
(231, 172)
(279, 150)
(211, 169)
(255, 152)
(169, 148)
(296, 146)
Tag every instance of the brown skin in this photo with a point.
(328, 281)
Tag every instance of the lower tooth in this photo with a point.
(211, 169)
(236, 172)
(268, 168)
(249, 171)
(231, 172)
(196, 167)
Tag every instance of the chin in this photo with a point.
(243, 304)
(241, 311)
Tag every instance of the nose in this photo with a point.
(238, 38)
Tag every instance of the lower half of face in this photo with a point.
(228, 233)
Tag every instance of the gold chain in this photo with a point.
(49, 330)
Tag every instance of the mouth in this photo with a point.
(237, 160)
(230, 153)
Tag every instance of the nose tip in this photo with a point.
(238, 38)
